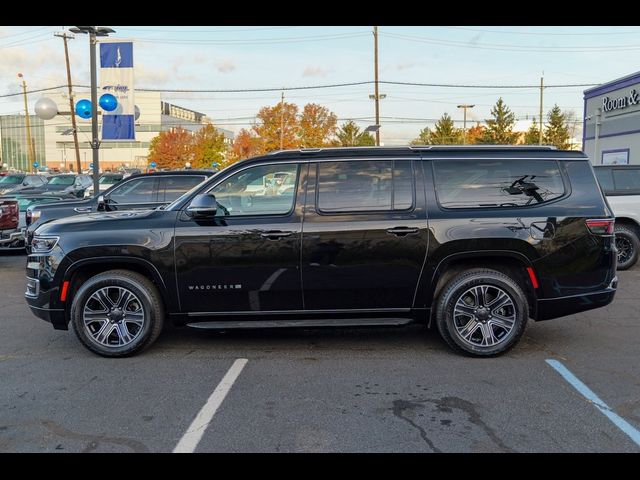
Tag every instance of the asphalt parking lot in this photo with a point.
(350, 390)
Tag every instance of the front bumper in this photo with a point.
(40, 306)
(549, 308)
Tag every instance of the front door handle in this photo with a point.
(402, 231)
(83, 209)
(275, 235)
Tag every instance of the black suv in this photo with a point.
(143, 191)
(472, 240)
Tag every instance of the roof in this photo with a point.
(207, 173)
(428, 151)
(616, 84)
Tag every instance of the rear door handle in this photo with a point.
(402, 231)
(275, 235)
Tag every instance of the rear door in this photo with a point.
(365, 235)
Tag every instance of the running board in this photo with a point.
(344, 322)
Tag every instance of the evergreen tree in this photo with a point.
(423, 138)
(532, 137)
(445, 132)
(557, 131)
(349, 135)
(499, 129)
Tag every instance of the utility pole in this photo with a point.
(282, 122)
(377, 96)
(26, 112)
(597, 137)
(541, 100)
(66, 36)
(464, 127)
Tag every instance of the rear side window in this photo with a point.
(365, 186)
(626, 180)
(605, 179)
(171, 188)
(496, 183)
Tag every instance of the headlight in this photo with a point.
(35, 215)
(43, 244)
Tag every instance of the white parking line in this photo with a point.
(586, 392)
(194, 433)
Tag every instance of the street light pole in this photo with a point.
(377, 98)
(30, 151)
(95, 141)
(464, 124)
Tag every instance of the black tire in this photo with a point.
(144, 292)
(628, 246)
(458, 290)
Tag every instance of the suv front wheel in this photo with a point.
(117, 313)
(481, 312)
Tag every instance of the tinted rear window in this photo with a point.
(496, 183)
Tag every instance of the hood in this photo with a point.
(98, 221)
(63, 203)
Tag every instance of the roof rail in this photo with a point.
(487, 147)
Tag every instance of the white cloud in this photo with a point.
(225, 66)
(315, 72)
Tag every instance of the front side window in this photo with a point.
(627, 179)
(496, 183)
(140, 190)
(259, 190)
(365, 186)
(171, 188)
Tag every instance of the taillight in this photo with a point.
(601, 226)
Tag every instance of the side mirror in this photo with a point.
(102, 203)
(203, 206)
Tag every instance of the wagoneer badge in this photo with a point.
(215, 287)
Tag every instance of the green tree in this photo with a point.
(445, 133)
(557, 131)
(532, 137)
(423, 138)
(499, 129)
(209, 147)
(349, 135)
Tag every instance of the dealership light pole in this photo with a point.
(95, 141)
(26, 112)
(541, 100)
(377, 96)
(464, 124)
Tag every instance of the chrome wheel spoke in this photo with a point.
(108, 322)
(489, 320)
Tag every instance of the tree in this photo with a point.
(209, 147)
(423, 138)
(349, 135)
(317, 126)
(474, 134)
(445, 132)
(557, 131)
(271, 120)
(499, 130)
(245, 145)
(532, 137)
(171, 149)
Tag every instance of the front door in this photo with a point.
(365, 235)
(246, 259)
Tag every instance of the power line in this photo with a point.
(512, 32)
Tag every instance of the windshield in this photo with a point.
(110, 179)
(62, 180)
(11, 179)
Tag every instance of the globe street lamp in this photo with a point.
(95, 141)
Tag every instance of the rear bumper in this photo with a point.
(549, 308)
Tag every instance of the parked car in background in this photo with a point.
(17, 182)
(71, 185)
(9, 223)
(621, 185)
(106, 181)
(471, 240)
(143, 191)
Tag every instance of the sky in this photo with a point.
(255, 57)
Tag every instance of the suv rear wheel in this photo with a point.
(481, 312)
(117, 313)
(627, 244)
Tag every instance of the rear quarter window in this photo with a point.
(496, 183)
